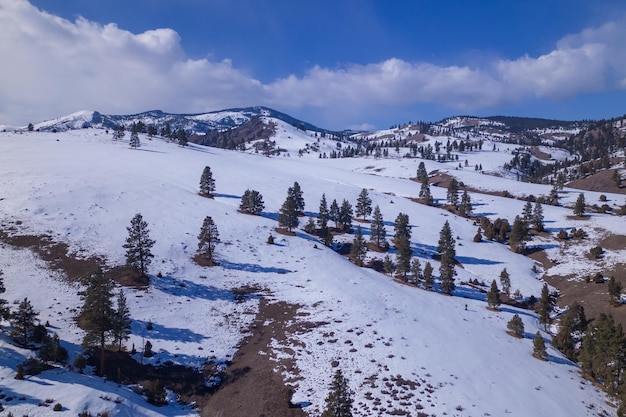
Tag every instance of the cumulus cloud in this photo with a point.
(52, 66)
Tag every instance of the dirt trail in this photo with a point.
(253, 386)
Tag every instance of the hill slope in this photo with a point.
(402, 348)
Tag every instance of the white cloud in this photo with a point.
(52, 66)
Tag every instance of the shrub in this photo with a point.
(598, 278)
(595, 252)
(562, 234)
(57, 407)
(602, 197)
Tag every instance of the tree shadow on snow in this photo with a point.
(140, 328)
(255, 268)
(237, 197)
(466, 260)
(189, 289)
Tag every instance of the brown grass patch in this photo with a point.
(285, 232)
(601, 181)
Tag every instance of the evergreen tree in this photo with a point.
(447, 253)
(422, 175)
(453, 192)
(539, 346)
(251, 202)
(571, 328)
(51, 349)
(403, 258)
(358, 249)
(465, 209)
(478, 237)
(181, 136)
(363, 204)
(134, 139)
(345, 215)
(527, 214)
(333, 213)
(544, 305)
(156, 394)
(97, 315)
(138, 245)
(378, 231)
(428, 276)
(493, 296)
(425, 194)
(119, 132)
(579, 206)
(23, 323)
(327, 237)
(615, 292)
(5, 312)
(207, 183)
(339, 400)
(401, 227)
(518, 235)
(516, 326)
(416, 271)
(288, 215)
(122, 321)
(309, 227)
(505, 281)
(537, 221)
(602, 352)
(323, 215)
(207, 239)
(296, 193)
(388, 265)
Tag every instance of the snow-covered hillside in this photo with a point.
(403, 349)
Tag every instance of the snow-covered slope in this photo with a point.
(402, 348)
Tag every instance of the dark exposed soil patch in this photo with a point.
(601, 181)
(56, 254)
(252, 386)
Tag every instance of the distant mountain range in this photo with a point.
(200, 123)
(196, 123)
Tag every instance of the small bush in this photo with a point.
(602, 197)
(598, 278)
(562, 234)
(57, 407)
(595, 252)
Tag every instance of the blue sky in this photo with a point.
(337, 64)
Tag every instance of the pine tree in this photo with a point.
(251, 202)
(134, 139)
(416, 271)
(539, 346)
(527, 214)
(579, 206)
(333, 213)
(425, 194)
(51, 349)
(339, 400)
(422, 175)
(119, 132)
(493, 296)
(428, 276)
(156, 394)
(207, 239)
(323, 215)
(181, 136)
(207, 183)
(296, 193)
(122, 321)
(518, 234)
(5, 312)
(571, 327)
(358, 249)
(345, 215)
(465, 208)
(138, 245)
(401, 227)
(447, 253)
(97, 315)
(363, 204)
(388, 265)
(453, 192)
(23, 323)
(288, 215)
(516, 326)
(505, 281)
(537, 221)
(478, 237)
(544, 305)
(615, 292)
(403, 258)
(378, 230)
